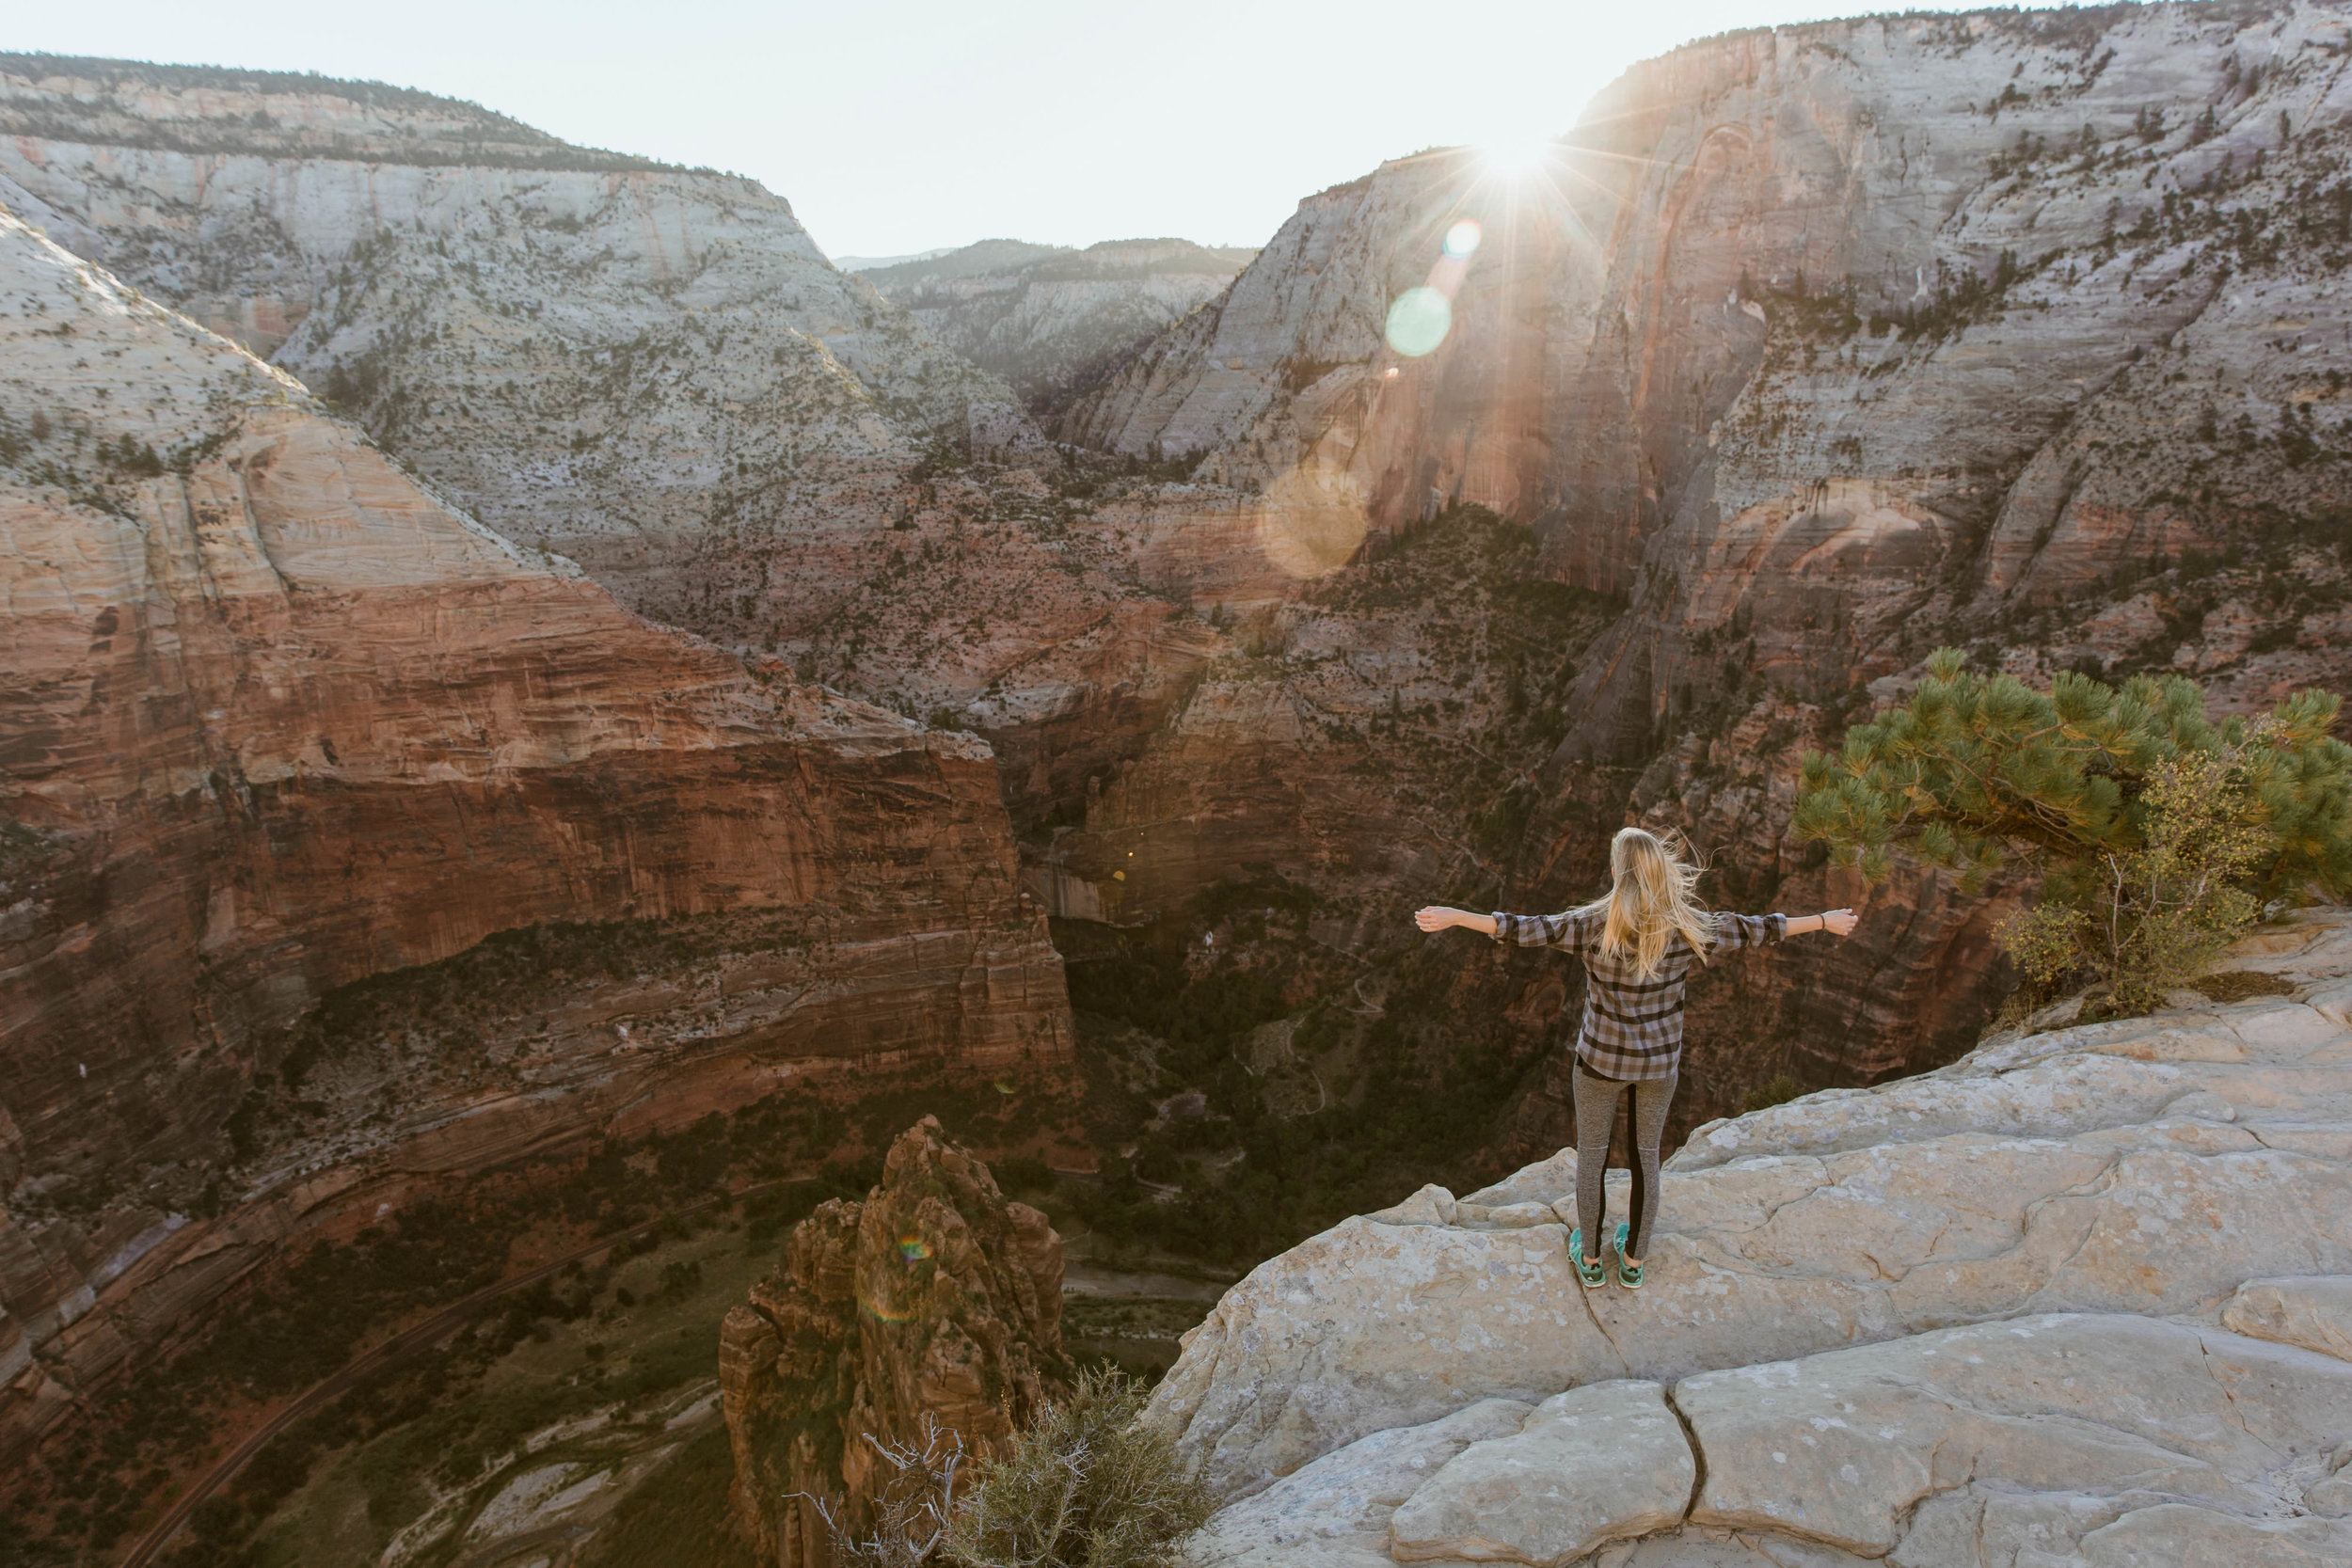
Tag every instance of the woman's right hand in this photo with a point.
(1838, 923)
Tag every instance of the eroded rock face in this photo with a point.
(281, 719)
(2082, 1294)
(934, 1296)
(1750, 355)
(656, 373)
(652, 371)
(1053, 321)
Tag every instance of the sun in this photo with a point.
(1516, 156)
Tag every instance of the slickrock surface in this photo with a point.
(2086, 1293)
(279, 720)
(1055, 322)
(933, 1296)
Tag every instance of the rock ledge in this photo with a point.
(2085, 1296)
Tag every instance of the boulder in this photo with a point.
(1431, 1205)
(1545, 1182)
(2315, 1313)
(1341, 1504)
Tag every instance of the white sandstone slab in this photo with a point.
(2314, 1313)
(1843, 1447)
(1341, 1502)
(1594, 1465)
(1943, 1322)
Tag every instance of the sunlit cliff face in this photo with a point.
(1842, 337)
(1414, 383)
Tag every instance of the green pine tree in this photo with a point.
(2157, 832)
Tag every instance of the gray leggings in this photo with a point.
(1595, 1119)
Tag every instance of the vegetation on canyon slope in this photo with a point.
(2158, 831)
(624, 1332)
(1381, 1097)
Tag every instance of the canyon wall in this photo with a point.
(1818, 346)
(651, 370)
(655, 372)
(1053, 321)
(1748, 347)
(285, 726)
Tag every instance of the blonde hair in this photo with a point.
(1651, 899)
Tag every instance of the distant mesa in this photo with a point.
(271, 114)
(867, 263)
(1054, 321)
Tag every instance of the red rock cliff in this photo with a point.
(277, 720)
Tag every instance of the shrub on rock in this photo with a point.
(1086, 1485)
(2159, 832)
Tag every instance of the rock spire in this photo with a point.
(933, 1296)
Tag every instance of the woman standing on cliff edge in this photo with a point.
(1637, 944)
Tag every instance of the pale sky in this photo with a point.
(901, 127)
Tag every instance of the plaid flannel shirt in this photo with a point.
(1633, 1028)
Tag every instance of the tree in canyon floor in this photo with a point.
(2159, 834)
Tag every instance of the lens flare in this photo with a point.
(913, 1248)
(1418, 321)
(1462, 239)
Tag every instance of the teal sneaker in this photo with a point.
(1590, 1273)
(1629, 1274)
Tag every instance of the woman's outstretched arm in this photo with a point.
(1438, 917)
(1837, 923)
(1762, 931)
